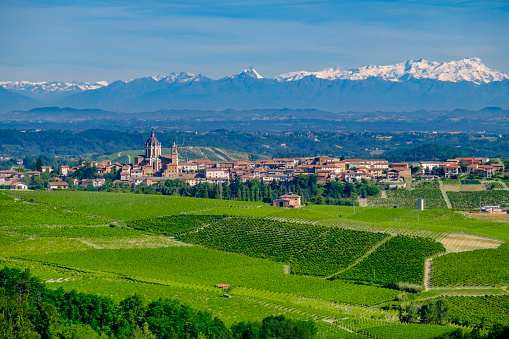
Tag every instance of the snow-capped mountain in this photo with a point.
(52, 86)
(410, 85)
(249, 72)
(470, 69)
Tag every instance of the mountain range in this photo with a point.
(410, 85)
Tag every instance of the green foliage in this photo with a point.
(425, 152)
(471, 268)
(408, 198)
(123, 206)
(29, 309)
(310, 249)
(482, 311)
(472, 200)
(274, 327)
(173, 224)
(22, 213)
(408, 331)
(70, 231)
(399, 259)
(205, 267)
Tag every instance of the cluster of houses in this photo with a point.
(152, 166)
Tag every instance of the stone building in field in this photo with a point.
(288, 200)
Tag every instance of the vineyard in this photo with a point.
(408, 331)
(69, 231)
(488, 310)
(22, 213)
(481, 267)
(472, 200)
(124, 206)
(408, 198)
(276, 260)
(430, 223)
(173, 224)
(311, 250)
(401, 259)
(199, 266)
(494, 185)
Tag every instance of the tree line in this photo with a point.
(336, 192)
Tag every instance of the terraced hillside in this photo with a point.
(190, 152)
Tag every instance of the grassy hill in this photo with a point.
(190, 152)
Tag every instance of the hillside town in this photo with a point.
(152, 166)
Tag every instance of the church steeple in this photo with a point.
(174, 154)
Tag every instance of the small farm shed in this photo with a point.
(288, 200)
(223, 286)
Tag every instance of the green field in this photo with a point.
(481, 267)
(201, 266)
(276, 260)
(25, 213)
(486, 310)
(410, 331)
(408, 198)
(316, 250)
(472, 200)
(173, 224)
(401, 259)
(123, 206)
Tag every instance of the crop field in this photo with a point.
(401, 259)
(488, 310)
(276, 260)
(437, 222)
(133, 241)
(125, 206)
(173, 224)
(410, 331)
(23, 213)
(310, 213)
(408, 198)
(494, 185)
(69, 231)
(313, 250)
(472, 200)
(35, 246)
(488, 267)
(200, 266)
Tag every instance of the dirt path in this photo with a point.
(444, 194)
(364, 256)
(383, 194)
(363, 202)
(428, 273)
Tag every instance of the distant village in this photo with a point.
(153, 166)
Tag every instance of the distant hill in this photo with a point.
(190, 152)
(10, 100)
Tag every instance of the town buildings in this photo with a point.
(153, 166)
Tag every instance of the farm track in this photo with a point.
(428, 273)
(364, 256)
(444, 194)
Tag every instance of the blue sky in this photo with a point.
(111, 40)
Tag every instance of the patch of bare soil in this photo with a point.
(463, 242)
